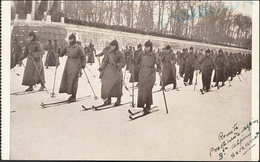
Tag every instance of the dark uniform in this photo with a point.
(190, 66)
(34, 71)
(230, 66)
(182, 63)
(206, 66)
(90, 53)
(168, 60)
(16, 53)
(126, 54)
(135, 60)
(221, 64)
(147, 77)
(111, 79)
(75, 61)
(52, 57)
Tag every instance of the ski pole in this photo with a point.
(175, 76)
(165, 103)
(196, 80)
(239, 77)
(53, 94)
(16, 72)
(90, 84)
(229, 83)
(133, 83)
(39, 73)
(90, 71)
(125, 73)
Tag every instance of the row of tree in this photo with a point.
(204, 21)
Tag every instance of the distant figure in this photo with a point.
(16, 52)
(221, 64)
(34, 71)
(168, 60)
(52, 59)
(135, 60)
(190, 67)
(90, 53)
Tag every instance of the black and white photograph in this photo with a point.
(130, 80)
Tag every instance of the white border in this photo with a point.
(255, 77)
(5, 77)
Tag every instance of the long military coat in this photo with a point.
(111, 80)
(221, 64)
(90, 53)
(76, 59)
(147, 76)
(34, 71)
(168, 68)
(207, 65)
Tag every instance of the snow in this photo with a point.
(66, 132)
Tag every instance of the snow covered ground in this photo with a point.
(66, 132)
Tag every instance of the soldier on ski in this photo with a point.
(111, 80)
(147, 76)
(168, 61)
(207, 65)
(189, 67)
(135, 60)
(34, 71)
(76, 60)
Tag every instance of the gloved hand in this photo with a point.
(159, 70)
(36, 59)
(99, 69)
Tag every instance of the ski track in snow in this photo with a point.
(66, 132)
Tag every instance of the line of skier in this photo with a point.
(142, 63)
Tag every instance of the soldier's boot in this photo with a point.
(231, 78)
(163, 88)
(72, 98)
(223, 84)
(147, 109)
(29, 89)
(108, 101)
(42, 87)
(118, 101)
(174, 86)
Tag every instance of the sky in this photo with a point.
(243, 7)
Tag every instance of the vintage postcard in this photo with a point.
(130, 80)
